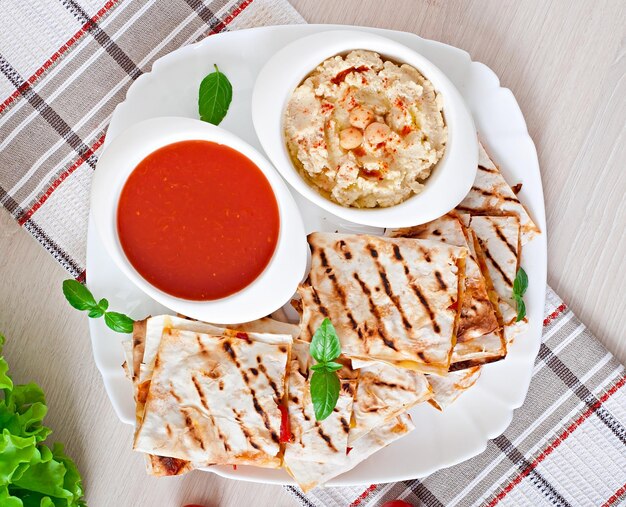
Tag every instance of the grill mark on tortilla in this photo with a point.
(374, 309)
(206, 406)
(245, 431)
(196, 384)
(192, 429)
(425, 254)
(487, 170)
(495, 264)
(344, 249)
(390, 385)
(392, 296)
(229, 350)
(442, 284)
(264, 416)
(295, 399)
(172, 466)
(221, 385)
(436, 232)
(203, 350)
(490, 193)
(416, 290)
(396, 252)
(502, 238)
(344, 425)
(168, 430)
(227, 347)
(174, 395)
(422, 356)
(322, 309)
(372, 250)
(270, 381)
(338, 289)
(325, 437)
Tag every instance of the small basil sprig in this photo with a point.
(214, 98)
(519, 289)
(324, 385)
(81, 298)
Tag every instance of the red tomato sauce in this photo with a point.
(198, 220)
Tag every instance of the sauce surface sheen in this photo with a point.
(198, 220)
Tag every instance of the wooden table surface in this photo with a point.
(565, 62)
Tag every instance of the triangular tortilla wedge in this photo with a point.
(146, 339)
(478, 338)
(127, 346)
(161, 466)
(447, 388)
(383, 393)
(491, 195)
(309, 474)
(499, 240)
(390, 299)
(215, 399)
(327, 440)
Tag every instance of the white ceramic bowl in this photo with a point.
(452, 177)
(273, 287)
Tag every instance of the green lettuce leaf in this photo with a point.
(5, 380)
(31, 474)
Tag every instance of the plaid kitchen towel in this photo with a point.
(566, 444)
(64, 66)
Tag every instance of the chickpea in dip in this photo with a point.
(366, 132)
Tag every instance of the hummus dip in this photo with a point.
(366, 132)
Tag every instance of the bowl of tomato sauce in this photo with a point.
(199, 220)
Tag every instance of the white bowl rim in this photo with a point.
(285, 270)
(450, 181)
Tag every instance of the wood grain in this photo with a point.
(564, 61)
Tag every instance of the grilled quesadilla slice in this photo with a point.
(491, 195)
(383, 393)
(499, 241)
(139, 343)
(309, 474)
(478, 338)
(214, 399)
(390, 299)
(162, 466)
(312, 440)
(127, 365)
(447, 388)
(146, 339)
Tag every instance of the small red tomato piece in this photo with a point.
(193, 505)
(397, 503)
(285, 429)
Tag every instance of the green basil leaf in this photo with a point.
(96, 312)
(324, 386)
(318, 366)
(78, 295)
(325, 345)
(215, 96)
(119, 322)
(521, 308)
(333, 366)
(103, 304)
(520, 284)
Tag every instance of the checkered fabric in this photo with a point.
(565, 447)
(66, 64)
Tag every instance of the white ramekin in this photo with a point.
(269, 291)
(451, 179)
